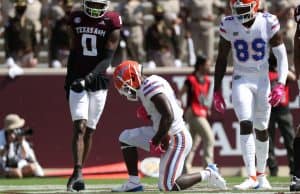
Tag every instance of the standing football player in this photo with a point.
(249, 34)
(167, 137)
(295, 184)
(95, 37)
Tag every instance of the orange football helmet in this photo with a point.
(127, 79)
(244, 10)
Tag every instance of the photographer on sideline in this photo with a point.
(17, 158)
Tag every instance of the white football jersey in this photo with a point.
(250, 46)
(153, 85)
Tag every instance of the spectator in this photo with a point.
(160, 41)
(284, 10)
(202, 24)
(197, 86)
(61, 38)
(33, 12)
(133, 29)
(282, 116)
(20, 39)
(17, 158)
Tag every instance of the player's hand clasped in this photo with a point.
(156, 149)
(219, 102)
(159, 148)
(78, 85)
(276, 94)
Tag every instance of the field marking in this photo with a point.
(149, 188)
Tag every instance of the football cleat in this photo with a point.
(295, 184)
(263, 182)
(247, 184)
(129, 187)
(75, 182)
(215, 179)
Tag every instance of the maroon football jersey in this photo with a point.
(90, 36)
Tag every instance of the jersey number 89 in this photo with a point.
(243, 52)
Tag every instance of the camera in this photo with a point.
(23, 132)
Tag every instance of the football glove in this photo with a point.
(219, 102)
(276, 94)
(156, 149)
(78, 85)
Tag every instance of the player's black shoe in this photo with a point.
(295, 184)
(76, 182)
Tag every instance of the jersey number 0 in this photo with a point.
(89, 44)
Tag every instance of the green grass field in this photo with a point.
(57, 185)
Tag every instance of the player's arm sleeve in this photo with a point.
(282, 62)
(164, 107)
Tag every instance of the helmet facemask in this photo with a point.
(129, 81)
(95, 8)
(244, 12)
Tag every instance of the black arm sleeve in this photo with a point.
(102, 66)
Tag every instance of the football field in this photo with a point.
(57, 185)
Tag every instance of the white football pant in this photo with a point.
(250, 99)
(87, 105)
(172, 161)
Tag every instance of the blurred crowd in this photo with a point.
(156, 32)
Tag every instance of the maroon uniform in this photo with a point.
(90, 36)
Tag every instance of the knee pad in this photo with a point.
(246, 127)
(261, 135)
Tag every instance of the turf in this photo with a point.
(57, 185)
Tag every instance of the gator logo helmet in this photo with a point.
(127, 78)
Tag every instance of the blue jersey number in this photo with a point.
(242, 49)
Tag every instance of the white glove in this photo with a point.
(56, 64)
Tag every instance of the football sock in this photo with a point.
(204, 175)
(262, 149)
(248, 151)
(297, 156)
(134, 179)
